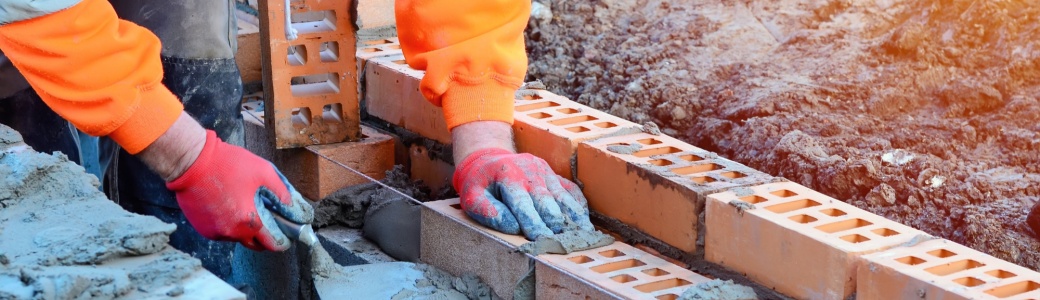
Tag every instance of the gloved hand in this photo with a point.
(228, 194)
(512, 192)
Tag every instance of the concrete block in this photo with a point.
(315, 177)
(616, 271)
(392, 94)
(941, 269)
(310, 83)
(656, 183)
(450, 242)
(795, 240)
(551, 126)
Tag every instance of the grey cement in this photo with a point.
(625, 149)
(567, 242)
(60, 238)
(719, 290)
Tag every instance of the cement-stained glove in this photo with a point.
(512, 192)
(228, 194)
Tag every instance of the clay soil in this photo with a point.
(925, 112)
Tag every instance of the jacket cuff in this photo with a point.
(157, 111)
(482, 102)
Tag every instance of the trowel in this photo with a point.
(323, 268)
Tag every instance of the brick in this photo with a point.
(375, 13)
(450, 242)
(392, 94)
(315, 177)
(795, 240)
(435, 173)
(660, 188)
(551, 126)
(617, 271)
(248, 54)
(941, 269)
(310, 84)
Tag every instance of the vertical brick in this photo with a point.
(392, 94)
(658, 188)
(941, 269)
(618, 271)
(248, 55)
(551, 126)
(316, 177)
(310, 84)
(796, 240)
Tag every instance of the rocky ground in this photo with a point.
(922, 111)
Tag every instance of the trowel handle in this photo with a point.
(297, 232)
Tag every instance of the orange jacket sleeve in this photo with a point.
(473, 53)
(100, 73)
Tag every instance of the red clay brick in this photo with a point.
(796, 240)
(378, 48)
(551, 126)
(317, 85)
(660, 188)
(248, 56)
(392, 94)
(315, 177)
(433, 172)
(941, 269)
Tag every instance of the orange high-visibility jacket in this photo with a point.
(103, 74)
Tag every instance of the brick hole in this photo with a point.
(656, 151)
(792, 206)
(393, 47)
(690, 157)
(623, 278)
(314, 21)
(655, 272)
(942, 253)
(296, 55)
(531, 97)
(668, 297)
(911, 260)
(1013, 289)
(1001, 274)
(301, 117)
(605, 125)
(804, 219)
(456, 206)
(378, 42)
(313, 85)
(954, 267)
(702, 179)
(540, 115)
(855, 238)
(885, 232)
(660, 162)
(753, 199)
(581, 259)
(573, 120)
(784, 193)
(568, 110)
(833, 212)
(332, 113)
(663, 284)
(649, 141)
(329, 52)
(732, 175)
(578, 129)
(612, 253)
(539, 105)
(619, 265)
(370, 50)
(844, 225)
(698, 168)
(969, 281)
(400, 62)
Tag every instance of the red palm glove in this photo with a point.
(511, 192)
(228, 195)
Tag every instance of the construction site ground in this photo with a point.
(924, 112)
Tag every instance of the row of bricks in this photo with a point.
(666, 185)
(811, 246)
(616, 271)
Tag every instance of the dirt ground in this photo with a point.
(925, 112)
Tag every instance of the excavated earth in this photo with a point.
(921, 111)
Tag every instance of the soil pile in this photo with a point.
(921, 111)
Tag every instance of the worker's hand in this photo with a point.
(228, 194)
(512, 192)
